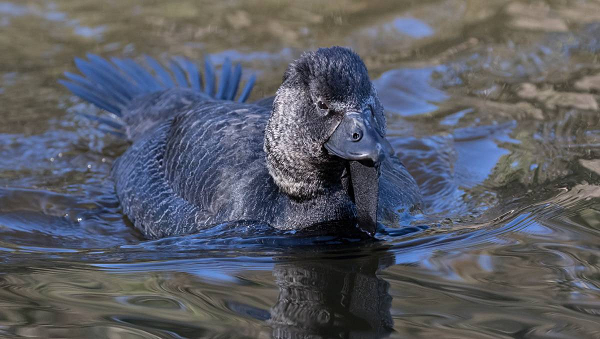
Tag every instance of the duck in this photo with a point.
(312, 158)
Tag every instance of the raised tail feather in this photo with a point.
(112, 85)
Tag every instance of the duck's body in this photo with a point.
(197, 161)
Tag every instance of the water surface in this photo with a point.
(492, 105)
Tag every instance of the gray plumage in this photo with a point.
(196, 161)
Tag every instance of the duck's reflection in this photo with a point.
(341, 298)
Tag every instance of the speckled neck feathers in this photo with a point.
(298, 164)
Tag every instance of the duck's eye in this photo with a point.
(322, 105)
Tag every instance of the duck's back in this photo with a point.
(198, 166)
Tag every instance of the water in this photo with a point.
(492, 105)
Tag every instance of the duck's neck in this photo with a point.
(299, 167)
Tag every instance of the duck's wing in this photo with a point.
(144, 94)
(202, 167)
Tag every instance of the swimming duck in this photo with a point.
(313, 156)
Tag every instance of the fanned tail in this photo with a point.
(111, 85)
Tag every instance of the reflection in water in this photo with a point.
(332, 299)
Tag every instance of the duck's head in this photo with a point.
(327, 123)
